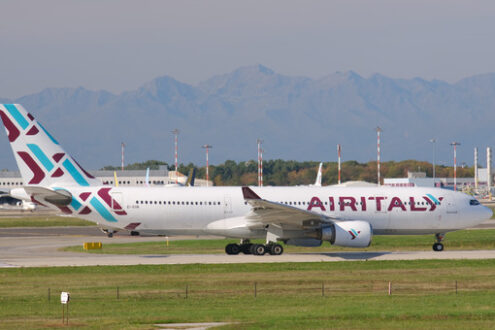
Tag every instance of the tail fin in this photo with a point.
(191, 177)
(318, 177)
(40, 158)
(147, 178)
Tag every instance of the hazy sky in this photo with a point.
(119, 45)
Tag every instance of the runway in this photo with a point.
(38, 247)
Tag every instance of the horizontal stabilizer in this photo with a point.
(55, 197)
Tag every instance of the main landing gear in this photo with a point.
(438, 246)
(247, 247)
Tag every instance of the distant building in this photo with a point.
(419, 179)
(161, 177)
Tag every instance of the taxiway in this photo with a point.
(39, 247)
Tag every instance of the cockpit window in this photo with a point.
(474, 202)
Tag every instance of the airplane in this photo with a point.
(11, 203)
(299, 215)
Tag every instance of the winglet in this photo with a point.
(249, 194)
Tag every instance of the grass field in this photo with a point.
(42, 221)
(355, 295)
(460, 240)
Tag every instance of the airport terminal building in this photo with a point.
(161, 177)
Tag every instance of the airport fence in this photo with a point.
(281, 289)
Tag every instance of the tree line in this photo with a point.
(280, 172)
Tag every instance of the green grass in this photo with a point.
(42, 221)
(460, 240)
(288, 295)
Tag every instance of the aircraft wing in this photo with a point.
(268, 212)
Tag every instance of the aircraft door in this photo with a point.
(379, 204)
(451, 206)
(227, 205)
(381, 218)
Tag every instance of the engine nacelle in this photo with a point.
(356, 234)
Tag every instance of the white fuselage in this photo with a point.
(189, 210)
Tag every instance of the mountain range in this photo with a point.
(298, 118)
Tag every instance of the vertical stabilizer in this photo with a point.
(147, 178)
(318, 176)
(191, 177)
(41, 160)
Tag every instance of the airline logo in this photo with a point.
(426, 203)
(354, 233)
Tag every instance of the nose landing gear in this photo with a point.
(438, 246)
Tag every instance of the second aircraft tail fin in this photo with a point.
(40, 158)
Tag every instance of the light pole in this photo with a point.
(175, 132)
(207, 147)
(260, 163)
(338, 166)
(433, 141)
(122, 145)
(378, 133)
(455, 144)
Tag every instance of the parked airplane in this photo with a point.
(306, 215)
(10, 203)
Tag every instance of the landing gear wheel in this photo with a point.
(438, 247)
(134, 233)
(235, 249)
(258, 249)
(110, 234)
(246, 248)
(276, 249)
(232, 249)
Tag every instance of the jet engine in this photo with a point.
(356, 234)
